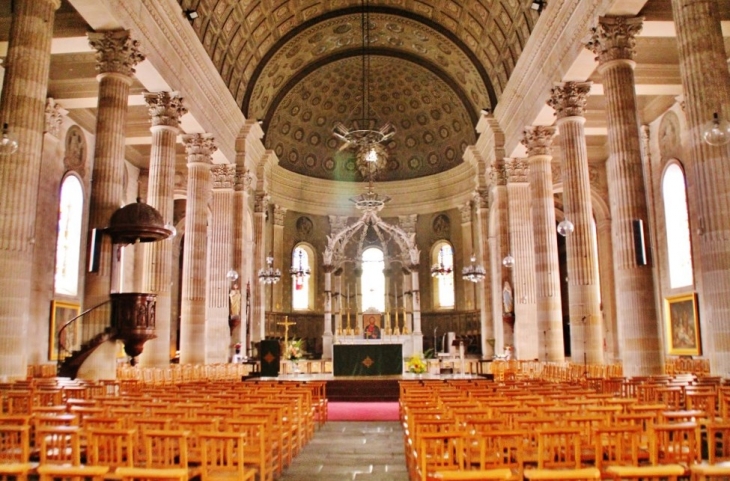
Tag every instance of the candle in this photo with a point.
(348, 298)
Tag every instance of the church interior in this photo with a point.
(533, 190)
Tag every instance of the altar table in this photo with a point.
(367, 359)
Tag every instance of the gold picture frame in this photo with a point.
(683, 325)
(61, 313)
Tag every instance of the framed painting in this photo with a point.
(683, 325)
(371, 323)
(61, 313)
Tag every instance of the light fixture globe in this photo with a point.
(565, 228)
(717, 131)
(232, 275)
(8, 143)
(508, 261)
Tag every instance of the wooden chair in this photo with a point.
(439, 452)
(166, 448)
(563, 474)
(59, 444)
(14, 452)
(152, 474)
(259, 449)
(223, 457)
(676, 443)
(496, 450)
(710, 472)
(718, 442)
(559, 448)
(616, 446)
(113, 448)
(667, 472)
(51, 472)
(471, 475)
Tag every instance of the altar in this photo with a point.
(367, 359)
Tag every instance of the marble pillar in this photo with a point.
(22, 107)
(481, 198)
(586, 330)
(165, 110)
(277, 291)
(549, 314)
(116, 56)
(220, 260)
(258, 321)
(499, 243)
(613, 42)
(527, 337)
(199, 149)
(242, 252)
(467, 250)
(706, 81)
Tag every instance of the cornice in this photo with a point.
(435, 193)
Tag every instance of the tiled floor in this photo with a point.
(360, 451)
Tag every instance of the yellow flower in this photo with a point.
(416, 364)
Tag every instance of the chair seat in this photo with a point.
(472, 475)
(640, 471)
(563, 474)
(718, 469)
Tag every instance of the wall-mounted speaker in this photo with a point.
(639, 242)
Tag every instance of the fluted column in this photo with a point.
(116, 56)
(22, 106)
(526, 334)
(586, 333)
(706, 82)
(277, 296)
(220, 261)
(258, 321)
(199, 149)
(613, 43)
(467, 248)
(417, 335)
(499, 243)
(481, 198)
(549, 315)
(165, 110)
(242, 253)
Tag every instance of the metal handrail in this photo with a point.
(89, 330)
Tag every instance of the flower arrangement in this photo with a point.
(237, 347)
(293, 351)
(416, 365)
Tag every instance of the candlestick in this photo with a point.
(348, 298)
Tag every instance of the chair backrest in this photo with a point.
(14, 444)
(498, 449)
(558, 448)
(676, 443)
(166, 448)
(440, 452)
(718, 442)
(223, 453)
(617, 445)
(110, 447)
(59, 444)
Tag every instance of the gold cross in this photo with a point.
(286, 325)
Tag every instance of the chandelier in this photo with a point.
(300, 272)
(440, 269)
(269, 275)
(473, 272)
(363, 135)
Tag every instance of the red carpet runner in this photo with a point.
(363, 411)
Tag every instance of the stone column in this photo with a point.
(613, 42)
(242, 253)
(258, 321)
(23, 108)
(586, 332)
(199, 149)
(220, 261)
(277, 295)
(499, 243)
(706, 81)
(538, 141)
(165, 110)
(467, 247)
(327, 335)
(416, 300)
(116, 56)
(526, 334)
(481, 198)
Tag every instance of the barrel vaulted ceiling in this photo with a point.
(297, 66)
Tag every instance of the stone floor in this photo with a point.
(359, 451)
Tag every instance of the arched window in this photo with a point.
(301, 283)
(68, 244)
(442, 256)
(679, 247)
(373, 279)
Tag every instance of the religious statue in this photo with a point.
(235, 302)
(507, 299)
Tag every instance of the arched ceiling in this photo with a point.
(296, 66)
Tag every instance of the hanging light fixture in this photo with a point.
(716, 131)
(565, 228)
(8, 143)
(299, 271)
(440, 269)
(508, 261)
(473, 272)
(363, 135)
(269, 275)
(232, 275)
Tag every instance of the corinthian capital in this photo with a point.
(261, 202)
(497, 174)
(538, 140)
(116, 52)
(569, 98)
(165, 108)
(243, 178)
(199, 147)
(615, 38)
(222, 175)
(517, 170)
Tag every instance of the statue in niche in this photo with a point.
(507, 300)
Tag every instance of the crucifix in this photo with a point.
(286, 325)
